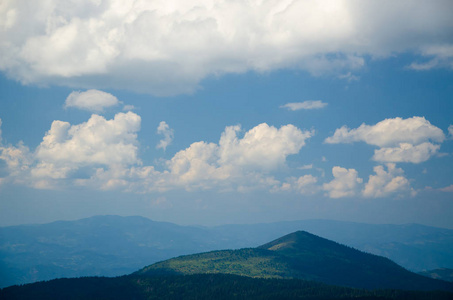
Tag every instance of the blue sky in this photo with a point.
(213, 112)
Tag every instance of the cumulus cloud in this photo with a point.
(97, 141)
(406, 153)
(401, 140)
(243, 160)
(310, 104)
(450, 131)
(168, 47)
(102, 153)
(386, 183)
(167, 132)
(390, 132)
(263, 147)
(91, 100)
(345, 183)
(18, 159)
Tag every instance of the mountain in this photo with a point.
(113, 245)
(413, 246)
(304, 256)
(283, 262)
(443, 274)
(97, 246)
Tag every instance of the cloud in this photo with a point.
(390, 132)
(450, 131)
(345, 183)
(305, 185)
(98, 142)
(441, 57)
(306, 167)
(169, 48)
(167, 132)
(310, 104)
(406, 153)
(401, 140)
(0, 131)
(18, 159)
(128, 107)
(103, 154)
(387, 183)
(91, 100)
(242, 161)
(263, 147)
(448, 189)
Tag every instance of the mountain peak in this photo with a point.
(301, 242)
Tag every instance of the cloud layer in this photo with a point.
(168, 47)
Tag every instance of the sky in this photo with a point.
(215, 112)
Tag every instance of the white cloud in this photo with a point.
(450, 131)
(441, 57)
(310, 104)
(306, 167)
(406, 153)
(168, 47)
(103, 154)
(263, 147)
(387, 183)
(237, 161)
(91, 100)
(167, 132)
(128, 107)
(18, 159)
(0, 131)
(305, 185)
(97, 141)
(390, 132)
(345, 183)
(401, 140)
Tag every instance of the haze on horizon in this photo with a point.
(214, 112)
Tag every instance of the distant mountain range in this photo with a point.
(296, 266)
(113, 245)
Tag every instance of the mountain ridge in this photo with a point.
(305, 256)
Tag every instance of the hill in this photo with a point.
(113, 245)
(201, 287)
(304, 256)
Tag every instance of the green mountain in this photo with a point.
(304, 256)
